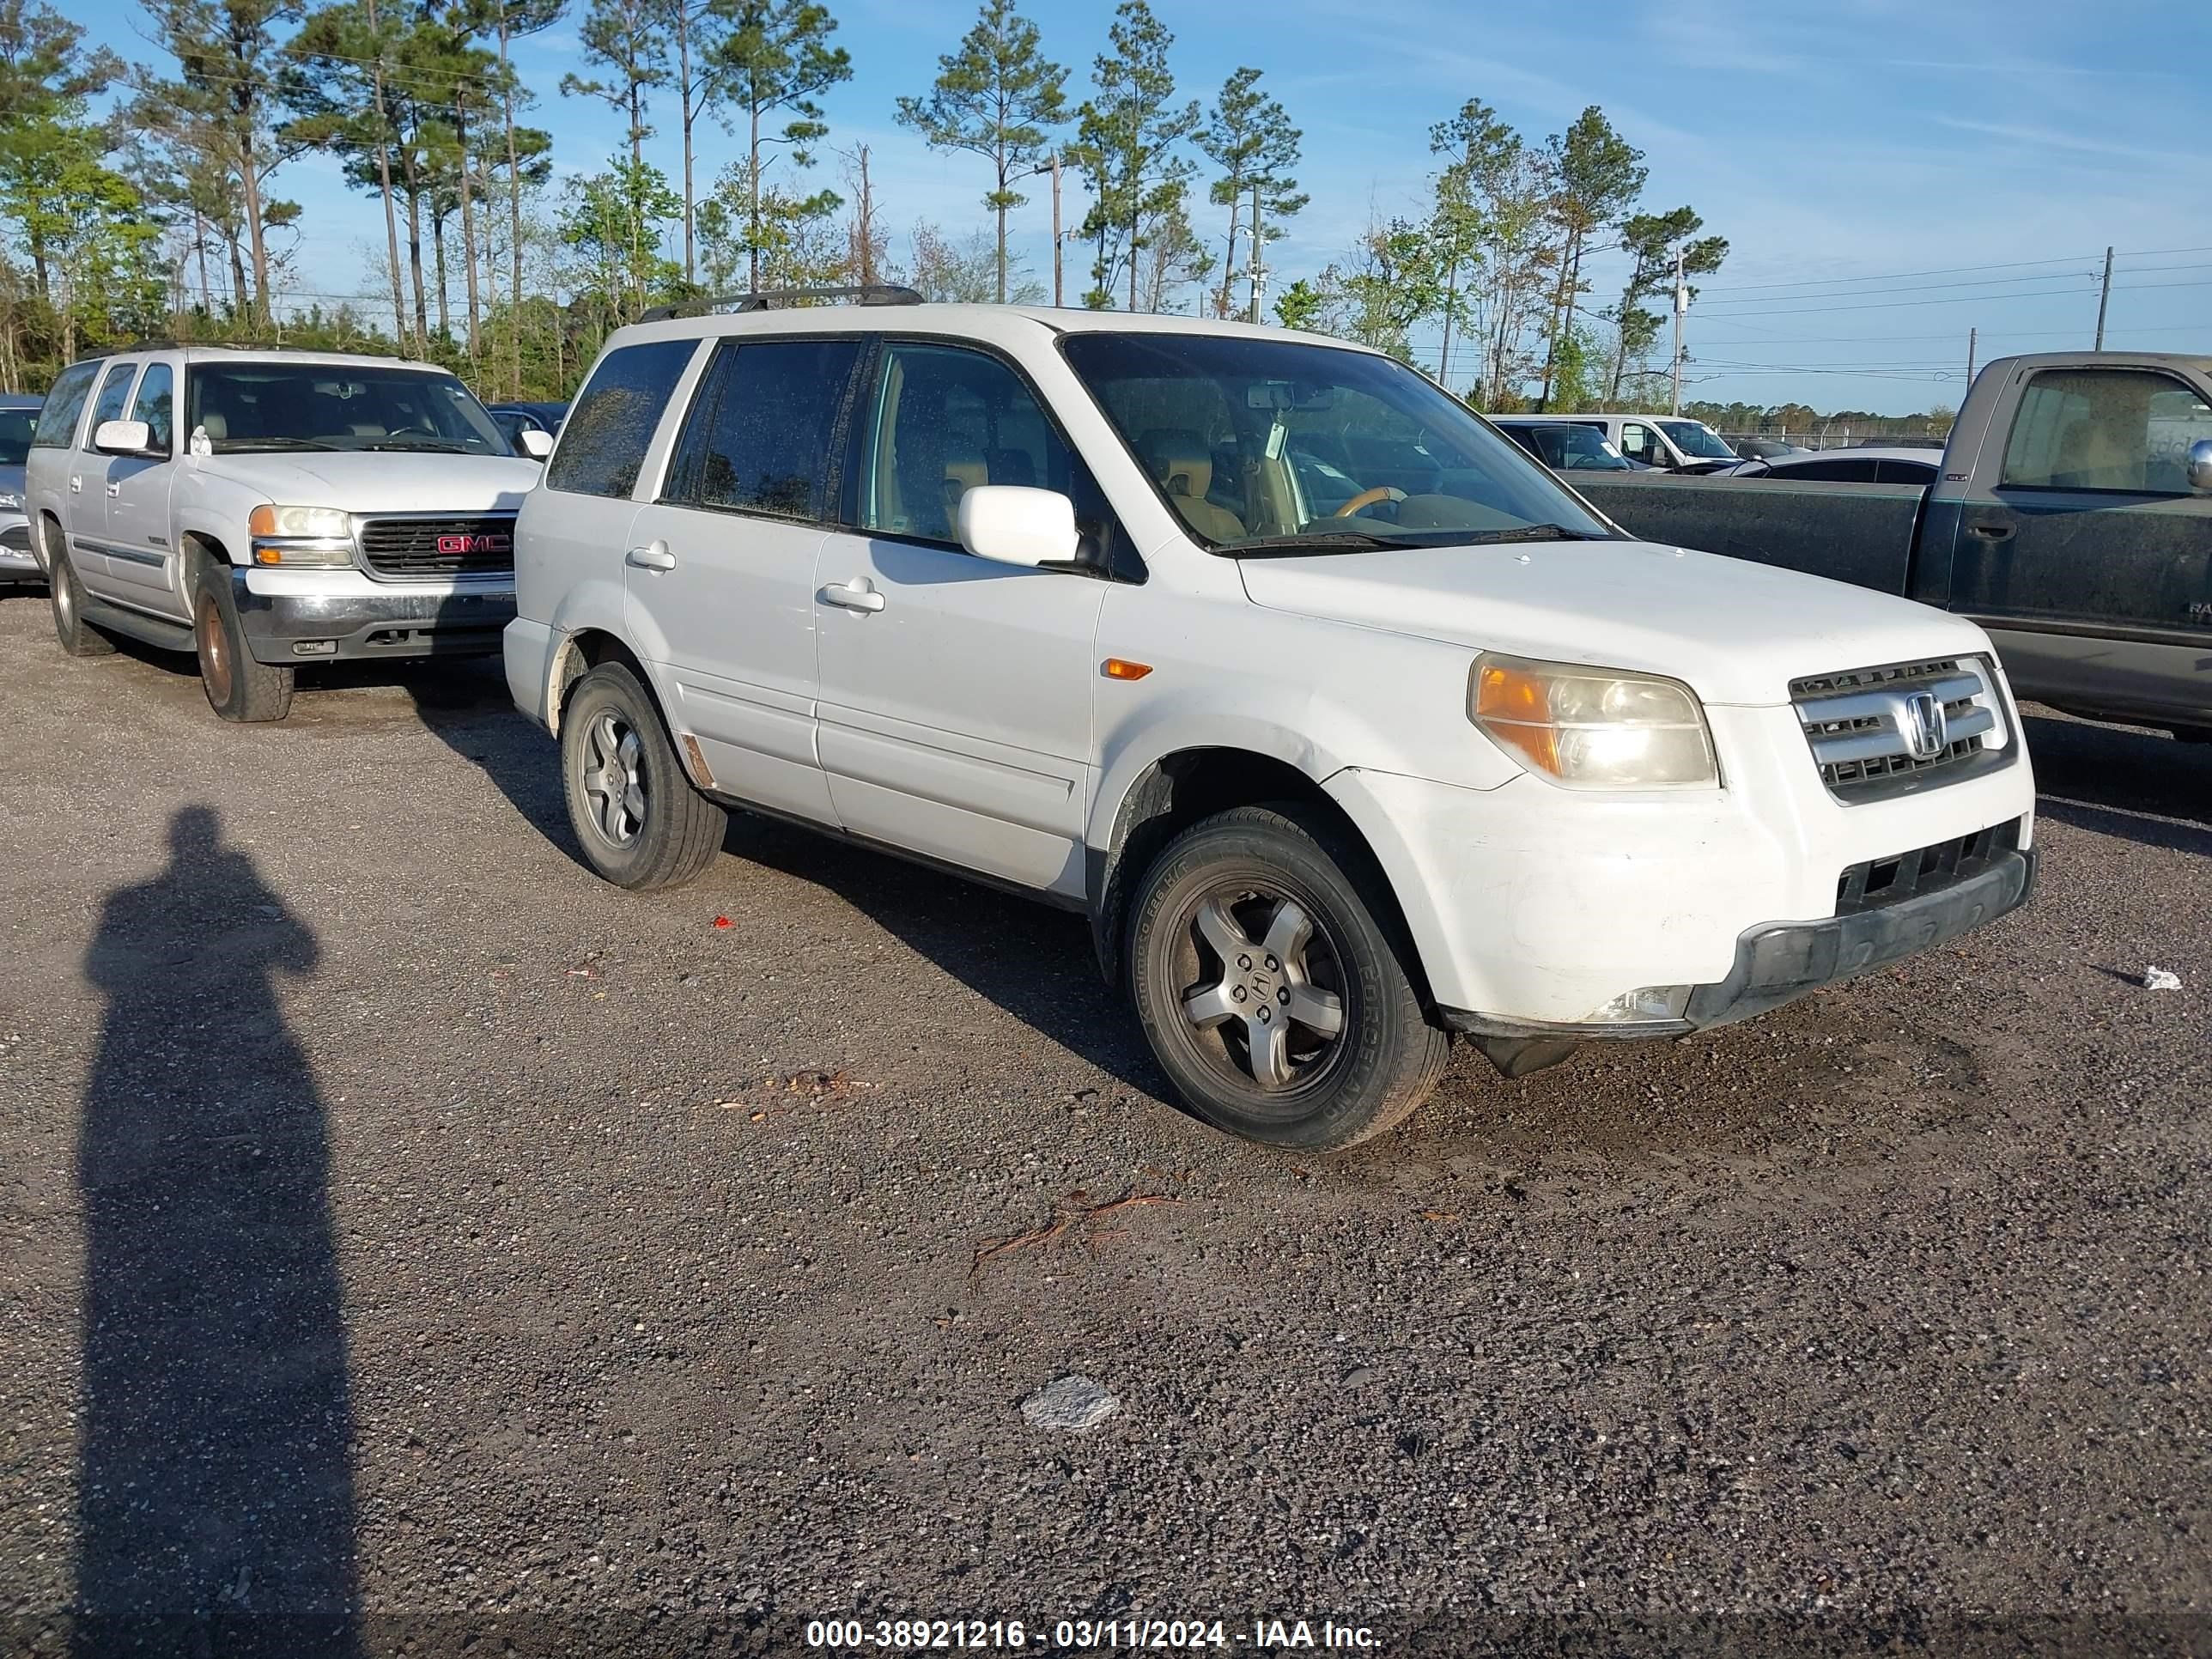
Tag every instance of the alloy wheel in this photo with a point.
(614, 780)
(1263, 993)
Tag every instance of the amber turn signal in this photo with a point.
(1120, 668)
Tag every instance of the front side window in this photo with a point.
(1640, 443)
(2104, 429)
(1267, 443)
(154, 404)
(943, 421)
(57, 415)
(275, 406)
(761, 436)
(604, 441)
(114, 397)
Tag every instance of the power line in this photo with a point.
(1893, 305)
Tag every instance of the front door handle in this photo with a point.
(858, 594)
(76, 484)
(654, 556)
(1991, 533)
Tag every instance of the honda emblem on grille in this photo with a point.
(475, 544)
(1926, 730)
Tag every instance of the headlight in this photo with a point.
(323, 521)
(10, 502)
(1593, 728)
(312, 536)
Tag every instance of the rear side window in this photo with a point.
(58, 418)
(602, 445)
(760, 436)
(2103, 429)
(1893, 471)
(114, 397)
(1844, 470)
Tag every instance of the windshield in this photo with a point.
(276, 406)
(1696, 438)
(16, 426)
(1264, 444)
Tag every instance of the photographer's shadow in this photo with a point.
(216, 1507)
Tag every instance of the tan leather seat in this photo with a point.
(964, 470)
(2093, 455)
(1184, 466)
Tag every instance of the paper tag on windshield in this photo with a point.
(1276, 434)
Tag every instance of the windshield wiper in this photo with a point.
(236, 446)
(1321, 541)
(443, 446)
(1528, 532)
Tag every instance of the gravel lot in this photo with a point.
(398, 1224)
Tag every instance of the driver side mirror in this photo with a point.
(1012, 524)
(535, 443)
(123, 437)
(2200, 465)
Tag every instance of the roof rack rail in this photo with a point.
(869, 294)
(213, 345)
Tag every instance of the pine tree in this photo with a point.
(1127, 137)
(776, 59)
(1251, 140)
(1599, 174)
(997, 97)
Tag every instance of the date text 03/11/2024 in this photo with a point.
(1162, 1635)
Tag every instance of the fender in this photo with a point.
(594, 604)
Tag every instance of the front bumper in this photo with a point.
(299, 624)
(1777, 962)
(18, 563)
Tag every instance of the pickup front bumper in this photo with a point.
(1780, 961)
(302, 626)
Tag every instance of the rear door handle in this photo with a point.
(77, 485)
(858, 594)
(654, 556)
(1991, 533)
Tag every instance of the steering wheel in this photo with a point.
(1367, 498)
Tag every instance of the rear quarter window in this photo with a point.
(57, 418)
(604, 441)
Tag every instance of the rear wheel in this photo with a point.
(1272, 981)
(642, 824)
(238, 687)
(78, 637)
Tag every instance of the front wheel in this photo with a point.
(642, 824)
(238, 686)
(1273, 982)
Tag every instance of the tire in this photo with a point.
(1275, 1077)
(239, 688)
(78, 637)
(641, 823)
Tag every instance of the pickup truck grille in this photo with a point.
(483, 545)
(1876, 732)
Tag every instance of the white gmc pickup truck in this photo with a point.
(1350, 726)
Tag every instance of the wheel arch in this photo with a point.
(586, 648)
(1179, 789)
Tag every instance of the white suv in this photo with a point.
(266, 508)
(1080, 604)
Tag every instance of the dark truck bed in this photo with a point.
(2072, 519)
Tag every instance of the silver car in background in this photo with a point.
(19, 557)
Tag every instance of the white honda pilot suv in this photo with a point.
(1349, 726)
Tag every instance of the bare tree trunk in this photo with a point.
(514, 212)
(249, 180)
(468, 228)
(684, 97)
(1228, 254)
(1562, 310)
(199, 244)
(238, 291)
(753, 222)
(415, 249)
(636, 168)
(438, 252)
(384, 184)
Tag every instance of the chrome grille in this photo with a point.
(482, 545)
(1873, 734)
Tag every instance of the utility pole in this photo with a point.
(1258, 272)
(1681, 306)
(1974, 338)
(1056, 299)
(2104, 299)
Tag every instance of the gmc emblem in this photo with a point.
(476, 544)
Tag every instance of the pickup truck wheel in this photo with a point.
(1273, 985)
(238, 687)
(78, 637)
(642, 824)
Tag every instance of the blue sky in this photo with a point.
(1890, 173)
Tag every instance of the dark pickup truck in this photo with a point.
(2072, 519)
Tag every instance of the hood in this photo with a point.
(1734, 632)
(380, 480)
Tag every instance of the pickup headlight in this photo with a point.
(1593, 728)
(313, 536)
(10, 502)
